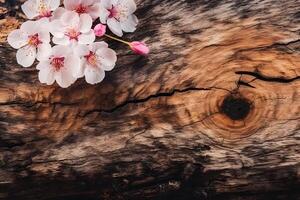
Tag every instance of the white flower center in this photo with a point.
(118, 12)
(34, 40)
(91, 58)
(72, 34)
(43, 9)
(81, 9)
(57, 63)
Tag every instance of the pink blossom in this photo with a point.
(91, 7)
(100, 30)
(31, 41)
(139, 48)
(118, 15)
(96, 58)
(72, 28)
(74, 54)
(59, 67)
(40, 8)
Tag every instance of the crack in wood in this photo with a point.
(259, 76)
(158, 95)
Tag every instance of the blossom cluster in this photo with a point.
(63, 40)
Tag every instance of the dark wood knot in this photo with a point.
(235, 107)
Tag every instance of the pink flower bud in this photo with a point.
(139, 48)
(100, 30)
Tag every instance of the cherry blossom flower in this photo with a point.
(91, 7)
(100, 30)
(118, 14)
(31, 41)
(76, 55)
(40, 8)
(72, 29)
(95, 60)
(139, 48)
(59, 67)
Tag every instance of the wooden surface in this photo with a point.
(212, 113)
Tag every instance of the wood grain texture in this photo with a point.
(212, 113)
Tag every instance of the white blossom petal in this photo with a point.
(78, 72)
(62, 41)
(53, 4)
(97, 45)
(88, 2)
(115, 2)
(57, 13)
(115, 26)
(95, 10)
(87, 38)
(103, 15)
(44, 36)
(46, 73)
(17, 39)
(70, 19)
(26, 56)
(130, 24)
(106, 4)
(30, 27)
(44, 24)
(86, 23)
(44, 51)
(94, 75)
(30, 9)
(71, 4)
(73, 64)
(56, 28)
(61, 51)
(107, 57)
(65, 77)
(130, 5)
(81, 50)
(43, 64)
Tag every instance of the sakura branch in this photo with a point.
(78, 50)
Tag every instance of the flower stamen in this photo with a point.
(113, 12)
(57, 63)
(81, 9)
(91, 58)
(34, 40)
(72, 34)
(45, 13)
(43, 9)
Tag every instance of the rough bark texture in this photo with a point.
(212, 113)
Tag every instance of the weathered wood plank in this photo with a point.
(212, 113)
